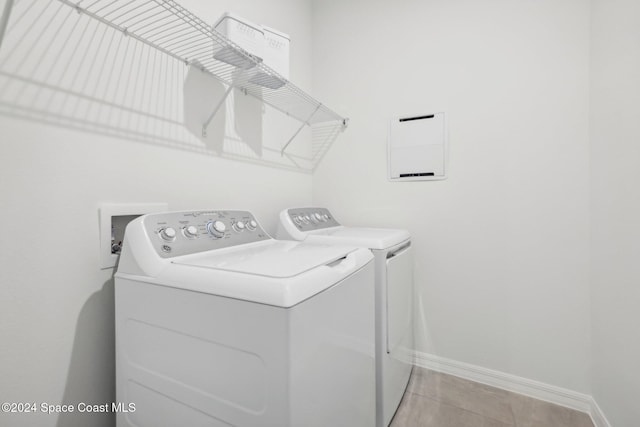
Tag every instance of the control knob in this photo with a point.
(190, 231)
(252, 225)
(238, 226)
(216, 228)
(318, 217)
(168, 234)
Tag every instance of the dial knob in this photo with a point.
(306, 219)
(252, 225)
(325, 217)
(318, 216)
(191, 231)
(239, 226)
(297, 219)
(168, 234)
(219, 226)
(216, 228)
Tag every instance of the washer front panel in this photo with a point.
(183, 233)
(309, 219)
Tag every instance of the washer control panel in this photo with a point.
(309, 219)
(182, 233)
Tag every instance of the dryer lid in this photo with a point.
(372, 238)
(273, 258)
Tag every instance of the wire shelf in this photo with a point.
(65, 67)
(173, 30)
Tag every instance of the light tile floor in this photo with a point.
(433, 399)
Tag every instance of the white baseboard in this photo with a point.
(599, 420)
(538, 390)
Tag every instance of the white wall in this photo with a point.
(615, 207)
(502, 245)
(56, 305)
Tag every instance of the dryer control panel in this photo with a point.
(182, 233)
(309, 219)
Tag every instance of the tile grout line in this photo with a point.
(461, 408)
(436, 399)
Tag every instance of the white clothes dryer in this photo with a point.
(394, 294)
(218, 324)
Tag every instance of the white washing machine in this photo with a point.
(217, 324)
(394, 294)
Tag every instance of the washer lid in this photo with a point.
(372, 238)
(273, 258)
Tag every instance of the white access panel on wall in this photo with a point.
(417, 148)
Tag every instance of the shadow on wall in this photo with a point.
(66, 69)
(92, 357)
(238, 121)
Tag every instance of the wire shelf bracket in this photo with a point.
(168, 27)
(305, 123)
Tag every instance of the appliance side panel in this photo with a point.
(333, 355)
